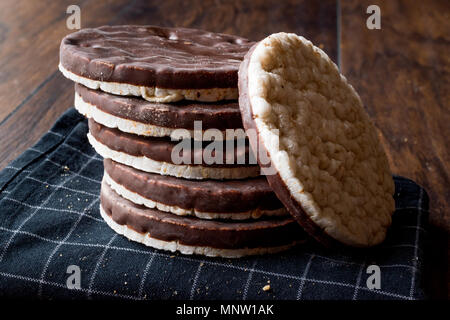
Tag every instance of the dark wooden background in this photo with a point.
(402, 73)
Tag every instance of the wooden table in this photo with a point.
(401, 71)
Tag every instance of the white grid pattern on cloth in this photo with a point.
(186, 257)
(56, 188)
(358, 280)
(249, 278)
(59, 165)
(95, 156)
(303, 279)
(97, 265)
(225, 265)
(53, 209)
(412, 208)
(405, 245)
(15, 168)
(213, 263)
(154, 253)
(64, 286)
(194, 282)
(72, 229)
(56, 133)
(64, 144)
(144, 275)
(73, 172)
(416, 244)
(63, 187)
(305, 273)
(414, 227)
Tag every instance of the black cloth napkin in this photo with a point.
(50, 220)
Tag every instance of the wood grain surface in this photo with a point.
(401, 72)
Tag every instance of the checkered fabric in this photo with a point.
(49, 220)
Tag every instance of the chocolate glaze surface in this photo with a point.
(218, 115)
(197, 232)
(176, 58)
(228, 196)
(156, 148)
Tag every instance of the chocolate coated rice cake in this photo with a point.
(190, 235)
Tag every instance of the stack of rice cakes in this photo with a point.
(159, 102)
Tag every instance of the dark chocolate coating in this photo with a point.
(156, 148)
(274, 180)
(175, 58)
(193, 231)
(217, 115)
(216, 196)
